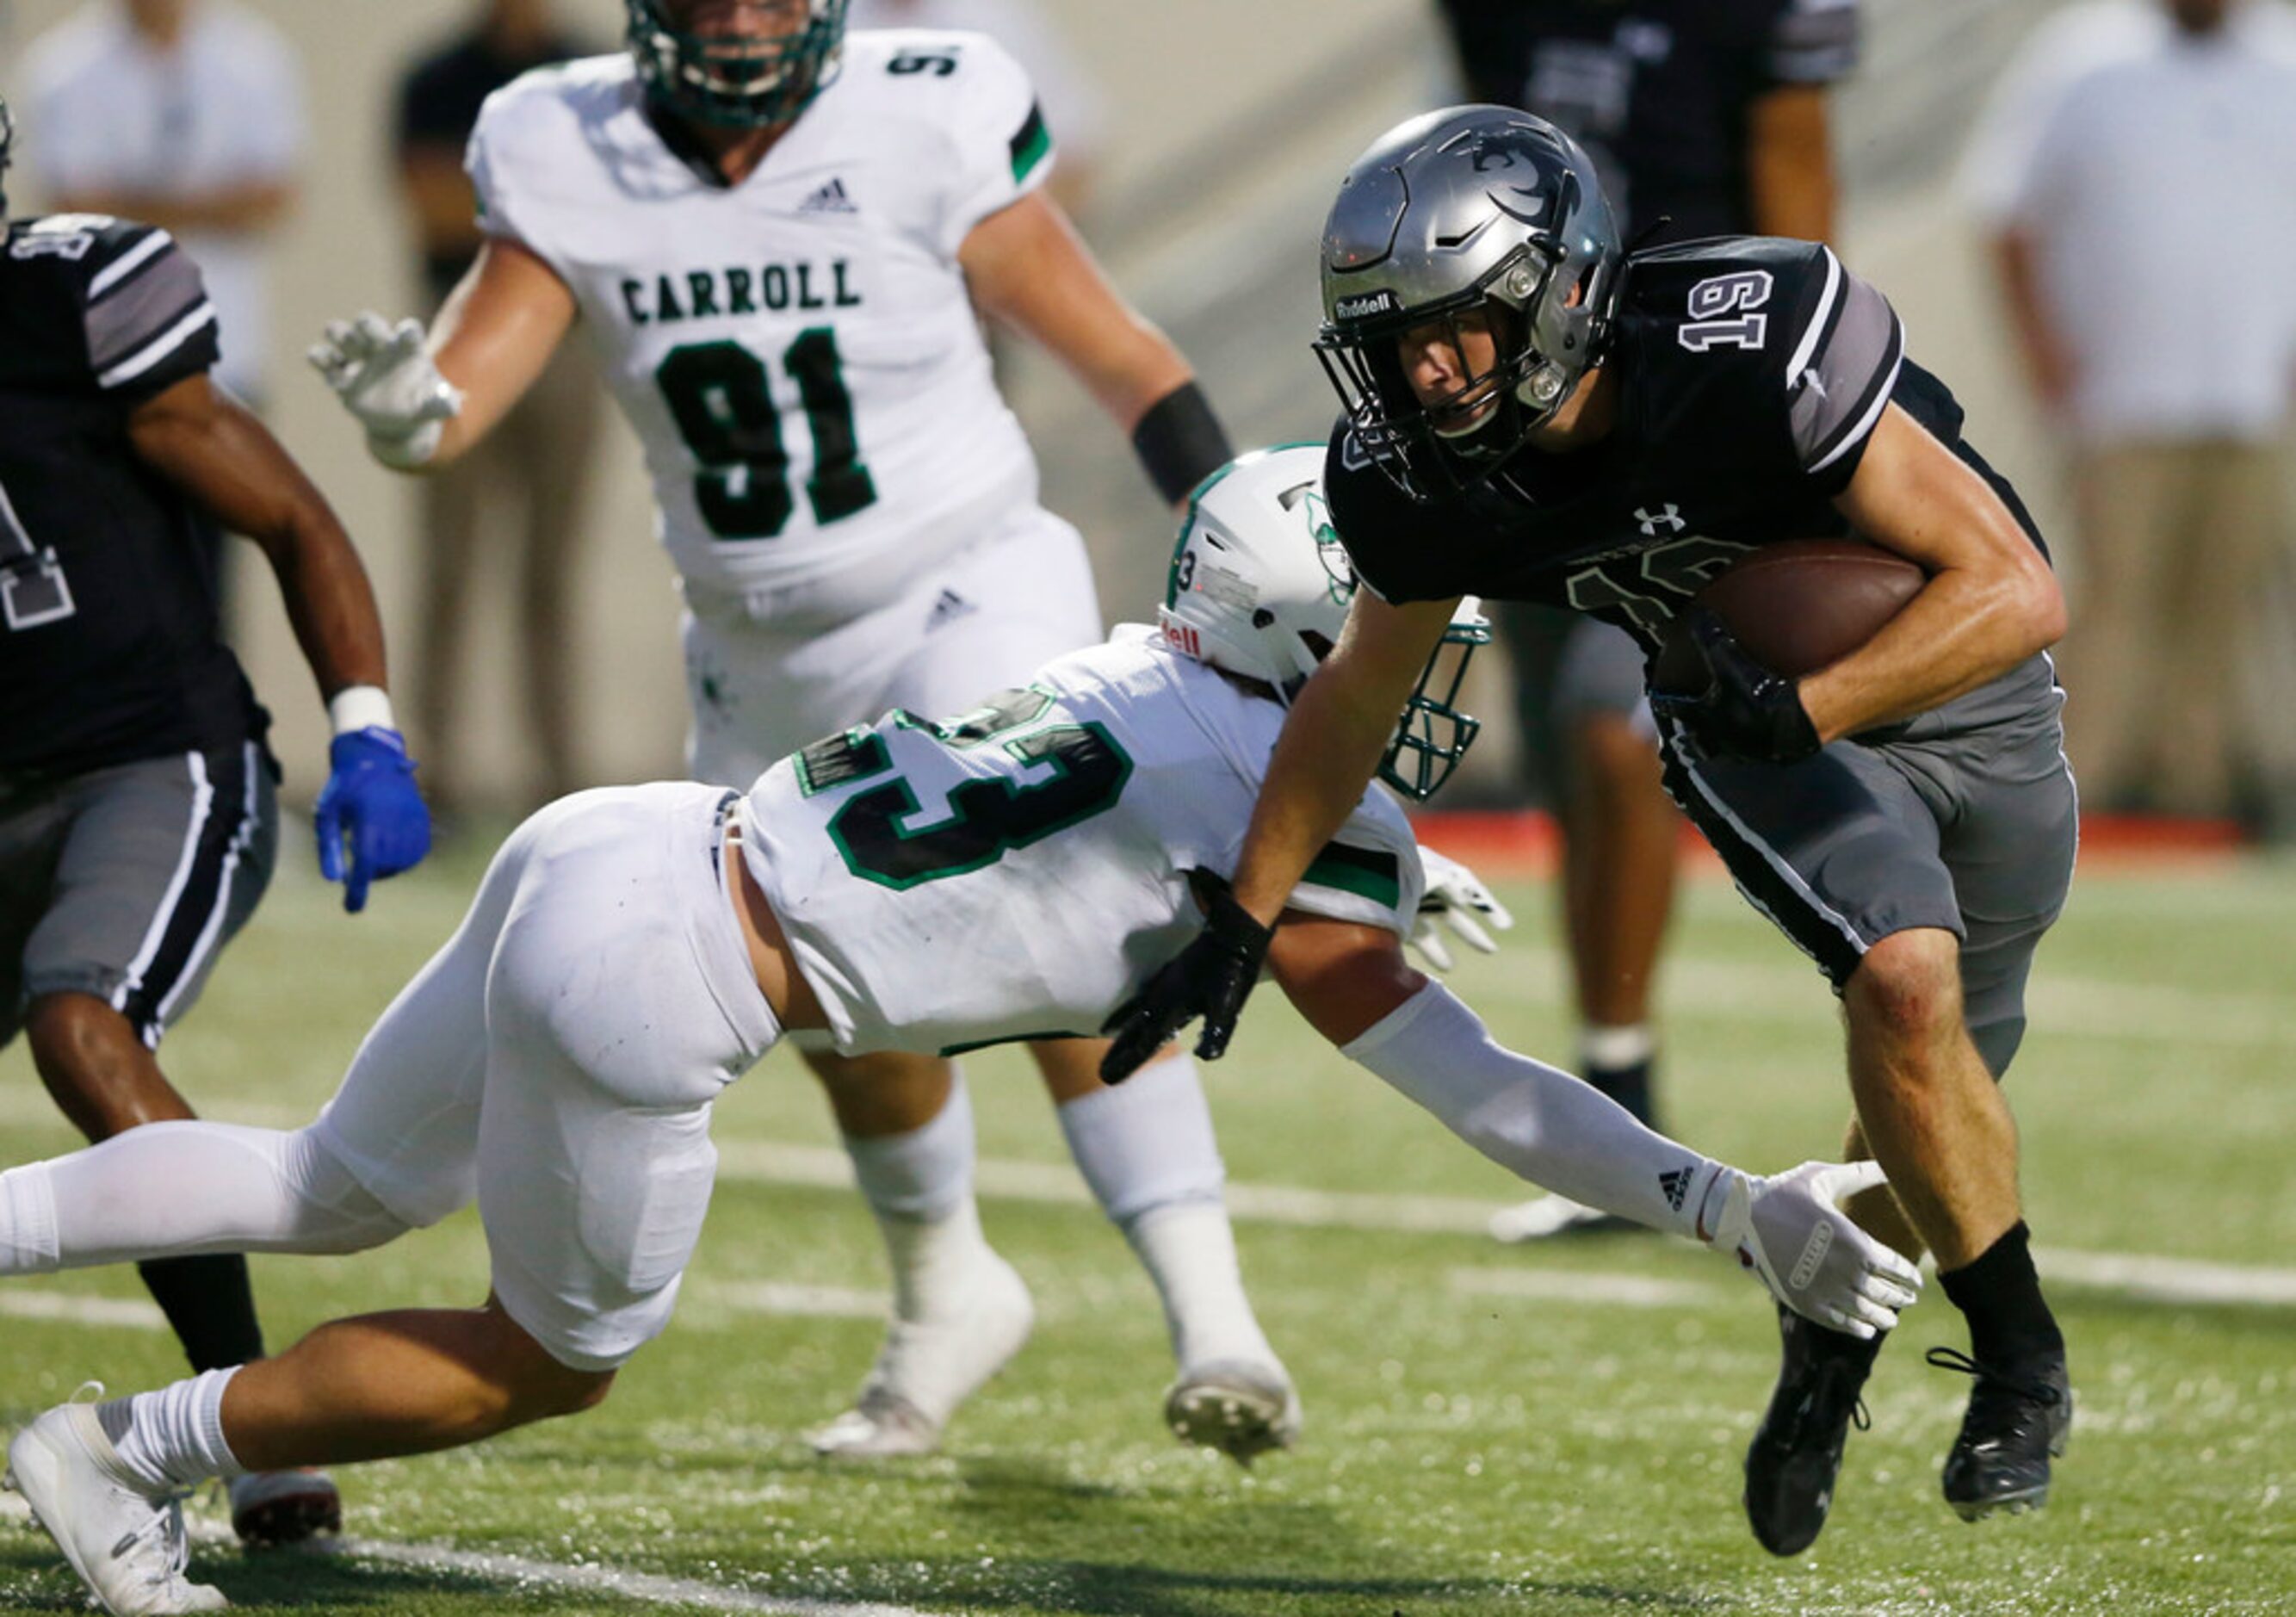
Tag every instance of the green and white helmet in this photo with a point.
(1260, 587)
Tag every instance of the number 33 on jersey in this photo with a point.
(797, 351)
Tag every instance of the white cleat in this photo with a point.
(1543, 1216)
(928, 1368)
(128, 1549)
(1241, 1407)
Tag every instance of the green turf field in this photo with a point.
(1485, 1435)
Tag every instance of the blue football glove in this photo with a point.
(370, 800)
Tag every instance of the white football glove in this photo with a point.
(1454, 896)
(1790, 1230)
(385, 377)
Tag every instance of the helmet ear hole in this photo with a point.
(1261, 618)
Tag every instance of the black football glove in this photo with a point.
(1210, 978)
(1743, 710)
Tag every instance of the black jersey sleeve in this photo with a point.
(143, 311)
(1384, 532)
(1849, 347)
(1758, 357)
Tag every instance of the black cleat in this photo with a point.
(1797, 1450)
(2019, 1418)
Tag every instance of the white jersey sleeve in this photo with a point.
(1003, 148)
(1017, 871)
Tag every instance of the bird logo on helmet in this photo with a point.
(1483, 214)
(1260, 585)
(747, 64)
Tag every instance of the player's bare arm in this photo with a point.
(212, 447)
(1028, 269)
(1991, 603)
(1331, 742)
(1789, 163)
(494, 335)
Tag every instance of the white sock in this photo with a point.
(172, 1438)
(179, 1189)
(1606, 1047)
(28, 1221)
(920, 1186)
(1189, 1251)
(1146, 1148)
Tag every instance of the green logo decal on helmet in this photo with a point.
(1260, 585)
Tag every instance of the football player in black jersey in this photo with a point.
(1533, 415)
(1703, 118)
(138, 824)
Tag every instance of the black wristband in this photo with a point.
(1181, 442)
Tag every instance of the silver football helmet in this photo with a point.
(1260, 587)
(728, 77)
(1481, 209)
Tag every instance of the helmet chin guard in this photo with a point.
(1474, 211)
(1260, 587)
(728, 80)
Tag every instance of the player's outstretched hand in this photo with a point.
(1789, 1229)
(1210, 978)
(384, 375)
(1454, 896)
(369, 803)
(1743, 709)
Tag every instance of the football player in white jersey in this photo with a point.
(634, 950)
(776, 236)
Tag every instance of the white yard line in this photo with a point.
(1575, 1285)
(19, 1300)
(524, 1572)
(793, 1300)
(651, 1589)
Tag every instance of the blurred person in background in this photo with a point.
(186, 115)
(533, 470)
(137, 820)
(2137, 173)
(776, 234)
(1706, 118)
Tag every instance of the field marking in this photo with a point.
(653, 1589)
(1579, 1286)
(126, 1313)
(2168, 1279)
(527, 1573)
(796, 1300)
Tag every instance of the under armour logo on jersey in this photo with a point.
(830, 199)
(1668, 516)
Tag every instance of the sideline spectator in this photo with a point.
(186, 114)
(2134, 173)
(537, 462)
(1706, 118)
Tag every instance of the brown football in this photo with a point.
(1796, 606)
